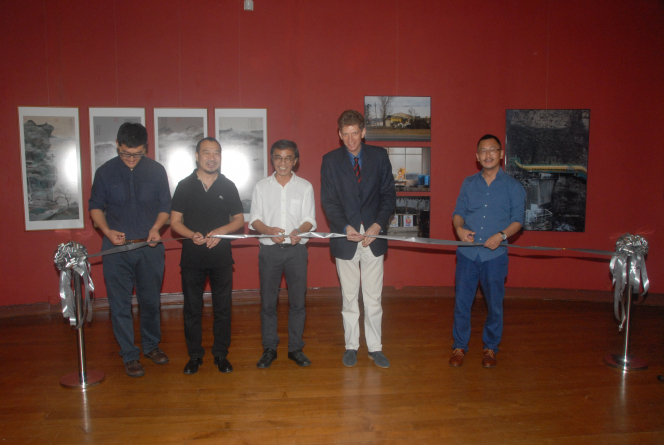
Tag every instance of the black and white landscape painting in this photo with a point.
(242, 134)
(104, 125)
(51, 168)
(177, 136)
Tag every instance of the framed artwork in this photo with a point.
(411, 168)
(411, 217)
(397, 118)
(242, 133)
(547, 151)
(51, 168)
(177, 131)
(104, 125)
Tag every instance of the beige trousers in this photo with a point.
(367, 269)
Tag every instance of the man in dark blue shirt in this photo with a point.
(130, 202)
(489, 209)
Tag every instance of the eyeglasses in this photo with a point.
(492, 150)
(131, 155)
(279, 159)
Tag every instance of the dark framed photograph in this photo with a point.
(397, 118)
(51, 168)
(547, 151)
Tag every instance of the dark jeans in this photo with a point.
(491, 275)
(273, 261)
(143, 268)
(193, 285)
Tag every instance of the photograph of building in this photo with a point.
(395, 118)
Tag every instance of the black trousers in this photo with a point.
(193, 285)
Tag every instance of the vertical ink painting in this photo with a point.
(51, 161)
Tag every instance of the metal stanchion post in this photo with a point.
(83, 378)
(624, 360)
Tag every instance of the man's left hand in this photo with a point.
(295, 237)
(211, 242)
(494, 241)
(368, 234)
(154, 235)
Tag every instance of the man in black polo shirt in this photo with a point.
(130, 202)
(203, 204)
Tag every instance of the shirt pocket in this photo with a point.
(295, 207)
(147, 192)
(117, 193)
(475, 203)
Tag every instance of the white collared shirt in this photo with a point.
(286, 207)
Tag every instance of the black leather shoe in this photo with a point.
(223, 364)
(269, 355)
(299, 358)
(192, 365)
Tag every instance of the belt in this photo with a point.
(134, 241)
(284, 245)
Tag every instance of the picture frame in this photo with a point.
(411, 168)
(397, 118)
(547, 151)
(104, 125)
(51, 168)
(242, 133)
(412, 217)
(176, 133)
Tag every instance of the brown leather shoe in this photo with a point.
(457, 357)
(489, 360)
(134, 368)
(158, 356)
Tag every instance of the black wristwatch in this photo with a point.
(502, 234)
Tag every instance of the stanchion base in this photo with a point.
(73, 379)
(631, 364)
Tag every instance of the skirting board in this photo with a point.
(252, 296)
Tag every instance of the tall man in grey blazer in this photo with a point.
(358, 197)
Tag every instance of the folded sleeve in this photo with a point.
(308, 208)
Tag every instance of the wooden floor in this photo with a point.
(550, 386)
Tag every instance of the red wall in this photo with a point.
(307, 61)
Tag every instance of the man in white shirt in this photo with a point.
(282, 205)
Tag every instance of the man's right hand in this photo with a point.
(353, 235)
(117, 238)
(198, 239)
(465, 235)
(276, 231)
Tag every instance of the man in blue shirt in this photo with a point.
(130, 202)
(489, 209)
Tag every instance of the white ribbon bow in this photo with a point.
(630, 249)
(70, 257)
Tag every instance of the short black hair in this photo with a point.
(210, 139)
(489, 136)
(132, 135)
(285, 144)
